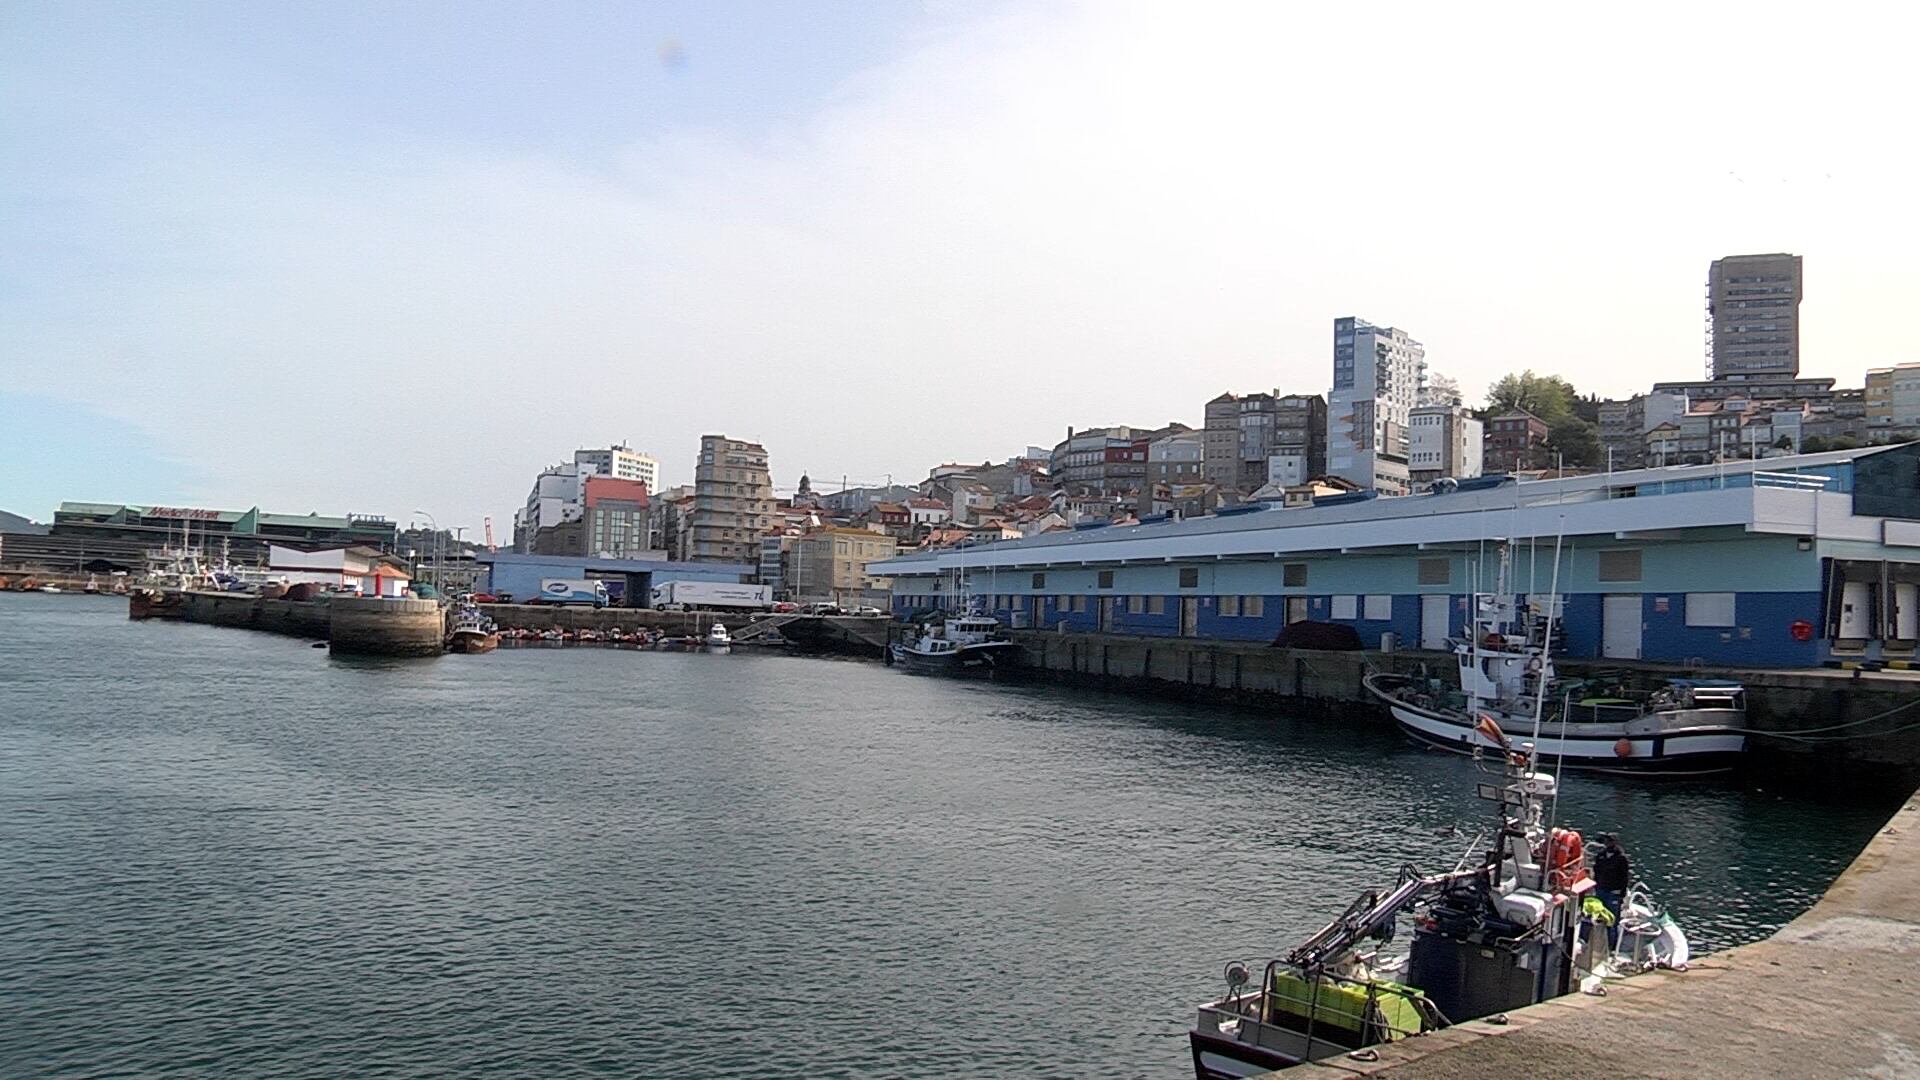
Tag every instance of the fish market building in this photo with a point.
(1778, 563)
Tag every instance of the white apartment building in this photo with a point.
(1379, 374)
(1443, 440)
(621, 463)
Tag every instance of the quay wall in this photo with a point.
(375, 626)
(245, 612)
(350, 625)
(557, 617)
(1817, 722)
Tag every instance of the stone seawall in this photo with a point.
(240, 610)
(370, 626)
(601, 620)
(1812, 723)
(350, 625)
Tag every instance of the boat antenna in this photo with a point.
(1546, 643)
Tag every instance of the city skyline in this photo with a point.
(975, 225)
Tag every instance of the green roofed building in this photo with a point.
(128, 536)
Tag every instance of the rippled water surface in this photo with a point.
(224, 852)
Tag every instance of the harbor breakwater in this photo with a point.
(1815, 723)
(351, 625)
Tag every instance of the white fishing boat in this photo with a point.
(1519, 925)
(969, 642)
(718, 639)
(1505, 670)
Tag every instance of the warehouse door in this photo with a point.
(1296, 609)
(1620, 623)
(1106, 613)
(1189, 616)
(1435, 612)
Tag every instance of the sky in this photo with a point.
(380, 258)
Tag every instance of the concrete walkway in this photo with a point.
(1836, 993)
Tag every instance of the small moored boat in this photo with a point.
(471, 632)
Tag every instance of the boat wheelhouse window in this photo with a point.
(1710, 609)
(1436, 571)
(1228, 606)
(1189, 577)
(1379, 608)
(1346, 607)
(1293, 574)
(1620, 564)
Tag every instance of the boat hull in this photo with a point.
(984, 657)
(469, 642)
(1687, 742)
(1218, 1058)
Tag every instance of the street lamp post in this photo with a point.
(434, 575)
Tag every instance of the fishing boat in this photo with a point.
(470, 631)
(1682, 727)
(718, 640)
(51, 588)
(1516, 926)
(969, 642)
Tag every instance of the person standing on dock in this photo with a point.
(1612, 873)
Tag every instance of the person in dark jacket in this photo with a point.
(1612, 873)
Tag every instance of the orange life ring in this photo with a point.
(1495, 641)
(1801, 629)
(1566, 858)
(1623, 748)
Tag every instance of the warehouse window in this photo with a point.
(1080, 603)
(1253, 606)
(1379, 608)
(1346, 607)
(1710, 609)
(1106, 579)
(1436, 571)
(1293, 574)
(1620, 564)
(1039, 581)
(1156, 605)
(1228, 606)
(1136, 605)
(1189, 577)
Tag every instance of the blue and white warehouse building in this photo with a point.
(1784, 562)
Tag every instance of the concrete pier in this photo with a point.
(1831, 994)
(350, 625)
(1813, 722)
(373, 626)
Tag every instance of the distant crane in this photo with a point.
(488, 522)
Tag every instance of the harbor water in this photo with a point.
(224, 852)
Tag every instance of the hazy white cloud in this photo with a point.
(1065, 215)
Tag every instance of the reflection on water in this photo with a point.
(226, 851)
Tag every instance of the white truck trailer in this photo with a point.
(711, 596)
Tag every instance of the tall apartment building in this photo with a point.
(1379, 374)
(1247, 434)
(621, 463)
(1753, 316)
(732, 501)
(1442, 440)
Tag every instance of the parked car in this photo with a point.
(485, 598)
(866, 611)
(821, 609)
(784, 606)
